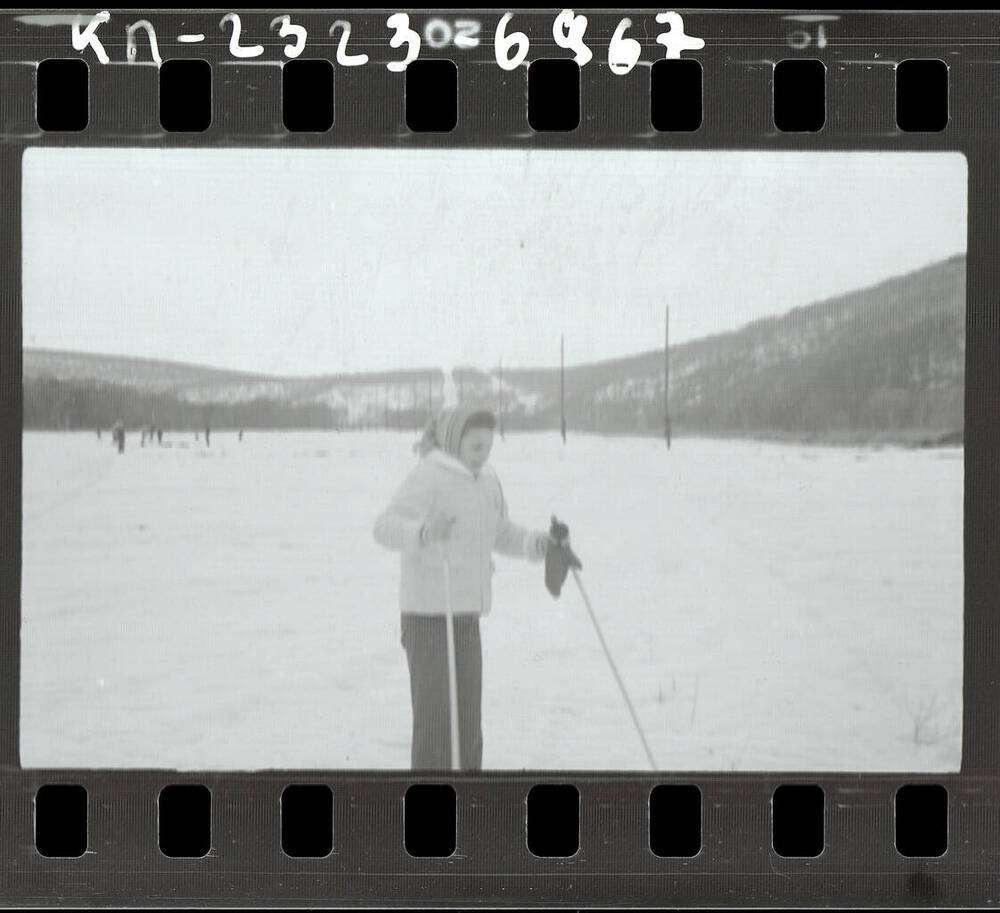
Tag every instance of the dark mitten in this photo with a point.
(559, 558)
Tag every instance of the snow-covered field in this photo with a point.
(770, 607)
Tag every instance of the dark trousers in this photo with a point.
(423, 637)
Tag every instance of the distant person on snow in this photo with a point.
(118, 435)
(241, 434)
(450, 508)
(159, 435)
(208, 431)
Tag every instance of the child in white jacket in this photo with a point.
(450, 511)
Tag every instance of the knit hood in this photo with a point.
(445, 431)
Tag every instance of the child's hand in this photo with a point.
(437, 527)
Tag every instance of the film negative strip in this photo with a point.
(287, 295)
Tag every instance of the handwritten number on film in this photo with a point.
(623, 53)
(286, 29)
(567, 30)
(503, 44)
(343, 58)
(510, 46)
(234, 40)
(403, 35)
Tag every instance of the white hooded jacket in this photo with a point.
(442, 482)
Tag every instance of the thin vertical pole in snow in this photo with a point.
(562, 386)
(666, 377)
(500, 399)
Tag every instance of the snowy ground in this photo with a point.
(771, 607)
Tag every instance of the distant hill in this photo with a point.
(82, 390)
(881, 362)
(889, 358)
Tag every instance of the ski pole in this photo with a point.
(449, 624)
(614, 669)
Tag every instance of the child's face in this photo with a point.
(474, 449)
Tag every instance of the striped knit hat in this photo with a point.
(447, 429)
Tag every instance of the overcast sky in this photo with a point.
(322, 261)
